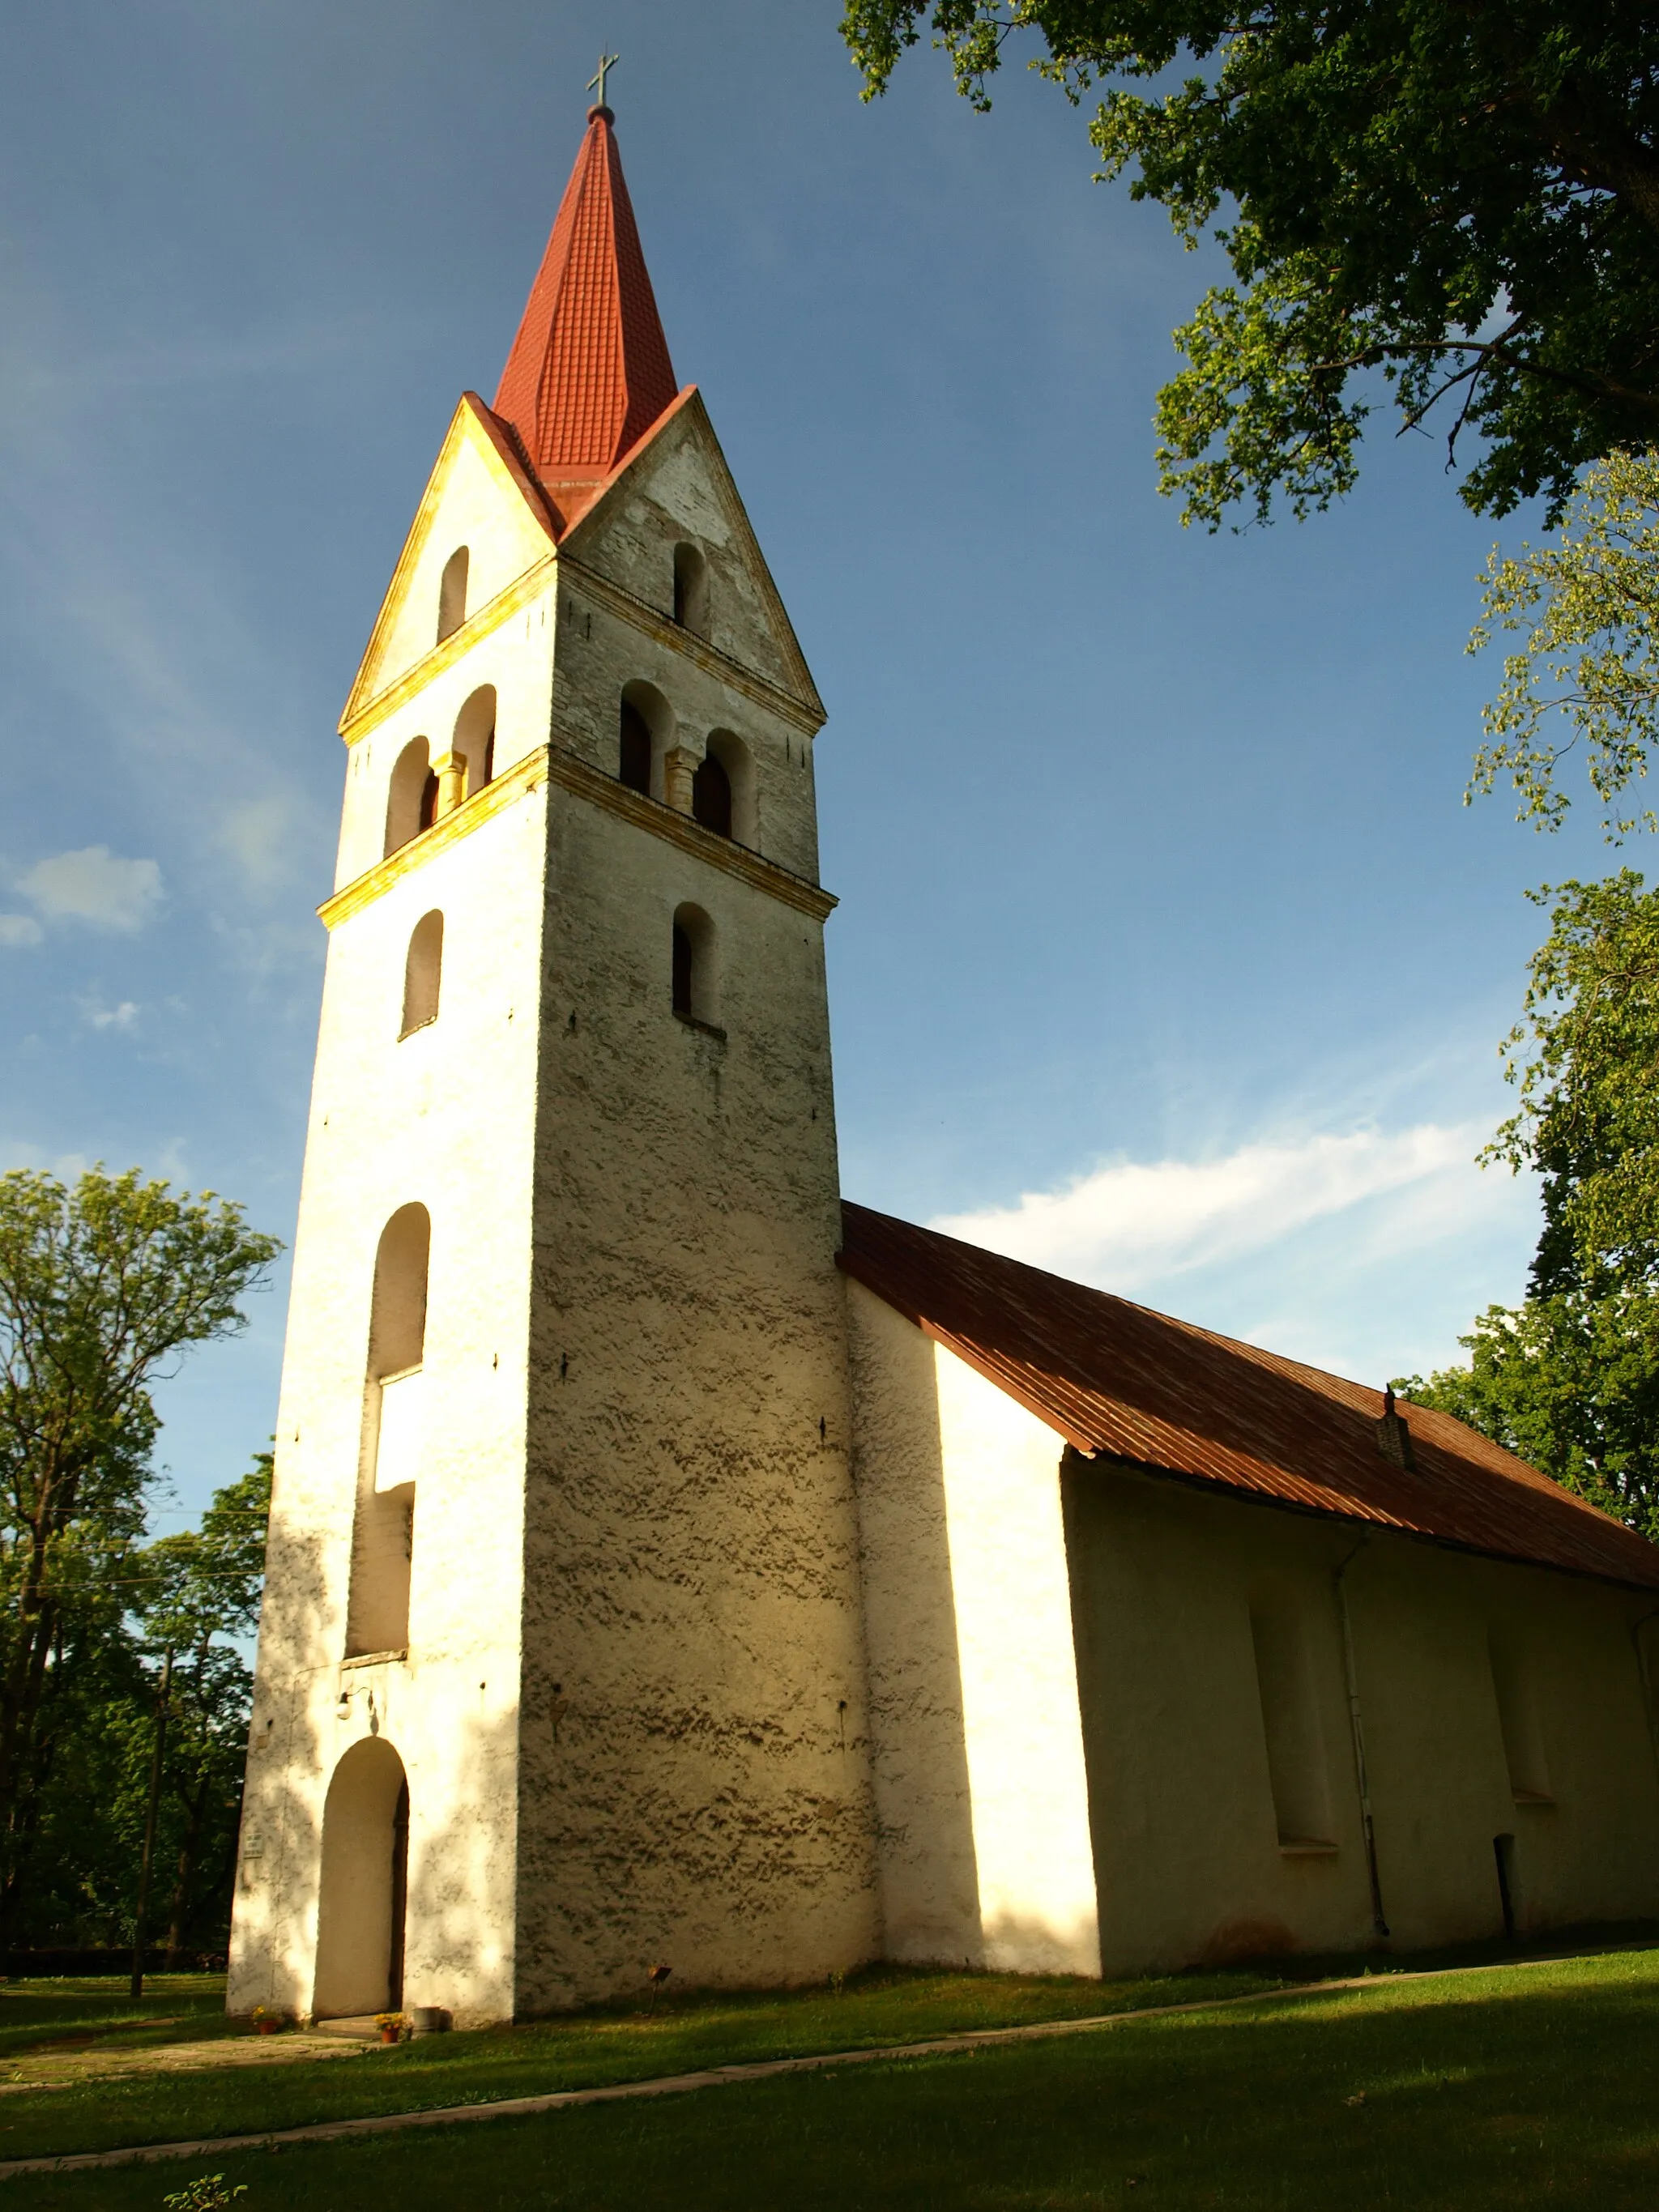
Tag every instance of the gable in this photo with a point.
(480, 497)
(675, 487)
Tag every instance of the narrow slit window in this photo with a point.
(711, 796)
(1508, 1887)
(691, 590)
(696, 977)
(407, 793)
(393, 1438)
(474, 741)
(423, 973)
(452, 594)
(1290, 1726)
(635, 766)
(1517, 1718)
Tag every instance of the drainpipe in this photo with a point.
(1646, 1674)
(1379, 1925)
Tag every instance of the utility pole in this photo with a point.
(140, 1923)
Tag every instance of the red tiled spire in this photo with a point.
(589, 371)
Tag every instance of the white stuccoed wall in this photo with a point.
(981, 1789)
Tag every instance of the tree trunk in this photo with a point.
(178, 1909)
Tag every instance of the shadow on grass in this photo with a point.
(79, 2013)
(1486, 2090)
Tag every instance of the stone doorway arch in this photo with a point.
(361, 1909)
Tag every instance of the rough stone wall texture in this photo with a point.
(680, 490)
(1187, 1850)
(693, 1788)
(977, 1743)
(446, 1117)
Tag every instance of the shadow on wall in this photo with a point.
(930, 1892)
(275, 1904)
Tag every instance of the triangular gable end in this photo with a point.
(675, 480)
(479, 496)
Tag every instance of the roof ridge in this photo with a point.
(1122, 1380)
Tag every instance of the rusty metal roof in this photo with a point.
(1119, 1380)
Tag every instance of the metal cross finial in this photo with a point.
(596, 83)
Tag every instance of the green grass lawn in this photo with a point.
(1497, 2088)
(580, 2051)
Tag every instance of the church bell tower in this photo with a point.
(560, 1675)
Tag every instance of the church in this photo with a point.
(672, 1565)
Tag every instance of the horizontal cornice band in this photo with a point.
(526, 775)
(489, 617)
(677, 829)
(552, 762)
(807, 714)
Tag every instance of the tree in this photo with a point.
(203, 1589)
(1570, 1381)
(1461, 201)
(1583, 1058)
(1588, 608)
(101, 1286)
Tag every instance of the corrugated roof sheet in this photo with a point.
(1118, 1379)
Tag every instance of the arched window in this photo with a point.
(737, 763)
(475, 737)
(377, 1610)
(411, 797)
(452, 594)
(646, 734)
(691, 589)
(711, 795)
(695, 980)
(423, 973)
(635, 769)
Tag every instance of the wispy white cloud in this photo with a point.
(98, 1016)
(20, 929)
(1129, 1222)
(145, 617)
(95, 886)
(260, 835)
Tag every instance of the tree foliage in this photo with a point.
(1587, 608)
(198, 1594)
(1585, 1060)
(199, 1591)
(1570, 1381)
(1461, 201)
(102, 1287)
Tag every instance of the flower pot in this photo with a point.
(389, 2034)
(266, 2027)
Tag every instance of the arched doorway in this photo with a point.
(360, 1915)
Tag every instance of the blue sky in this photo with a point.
(1167, 955)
